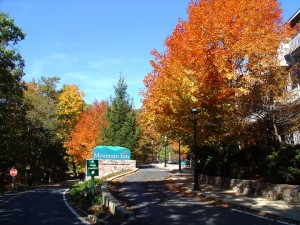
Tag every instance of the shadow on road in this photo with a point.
(152, 203)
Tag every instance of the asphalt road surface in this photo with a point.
(146, 195)
(45, 205)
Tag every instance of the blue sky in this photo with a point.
(90, 43)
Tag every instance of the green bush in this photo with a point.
(270, 164)
(79, 189)
(283, 165)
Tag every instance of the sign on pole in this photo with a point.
(92, 167)
(13, 172)
(92, 170)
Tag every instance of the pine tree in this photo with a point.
(121, 129)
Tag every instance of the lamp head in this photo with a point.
(194, 110)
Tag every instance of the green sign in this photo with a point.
(92, 167)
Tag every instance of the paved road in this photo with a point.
(146, 195)
(40, 206)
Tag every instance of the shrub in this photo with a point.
(80, 189)
(280, 164)
(283, 165)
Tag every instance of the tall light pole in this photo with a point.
(197, 160)
(152, 150)
(165, 150)
(179, 156)
(27, 175)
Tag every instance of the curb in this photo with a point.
(244, 207)
(115, 207)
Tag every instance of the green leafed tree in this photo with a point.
(45, 145)
(122, 128)
(11, 63)
(42, 99)
(12, 111)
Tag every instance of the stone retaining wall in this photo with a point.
(107, 167)
(286, 192)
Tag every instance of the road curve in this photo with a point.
(45, 205)
(146, 195)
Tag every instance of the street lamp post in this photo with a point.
(166, 150)
(152, 142)
(196, 172)
(179, 156)
(27, 173)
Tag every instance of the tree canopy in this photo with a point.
(12, 112)
(222, 57)
(85, 135)
(70, 105)
(121, 128)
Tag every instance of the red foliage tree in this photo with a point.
(86, 133)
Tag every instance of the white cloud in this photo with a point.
(96, 76)
(103, 62)
(50, 65)
(94, 87)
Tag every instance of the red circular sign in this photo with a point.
(13, 172)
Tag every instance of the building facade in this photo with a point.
(292, 60)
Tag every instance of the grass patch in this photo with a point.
(80, 195)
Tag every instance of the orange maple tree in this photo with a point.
(219, 55)
(85, 135)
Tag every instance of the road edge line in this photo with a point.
(72, 210)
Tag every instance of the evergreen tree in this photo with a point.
(121, 129)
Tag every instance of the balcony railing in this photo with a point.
(295, 94)
(295, 46)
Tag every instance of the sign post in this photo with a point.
(92, 171)
(13, 172)
(93, 189)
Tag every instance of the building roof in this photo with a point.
(295, 18)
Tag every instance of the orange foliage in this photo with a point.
(85, 135)
(216, 56)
